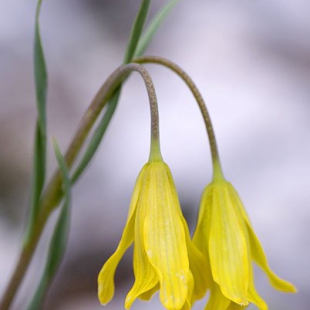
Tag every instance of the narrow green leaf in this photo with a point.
(39, 159)
(151, 30)
(40, 72)
(58, 242)
(134, 38)
(137, 30)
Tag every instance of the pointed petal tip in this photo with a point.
(284, 286)
(105, 293)
(294, 289)
(128, 302)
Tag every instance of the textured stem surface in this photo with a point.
(217, 170)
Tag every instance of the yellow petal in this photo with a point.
(190, 285)
(227, 246)
(217, 300)
(198, 266)
(146, 278)
(259, 257)
(253, 295)
(201, 234)
(256, 299)
(106, 275)
(201, 239)
(164, 238)
(257, 251)
(148, 295)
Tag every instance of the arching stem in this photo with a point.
(217, 169)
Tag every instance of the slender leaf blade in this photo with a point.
(59, 238)
(40, 145)
(40, 72)
(137, 30)
(40, 75)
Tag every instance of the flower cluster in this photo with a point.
(218, 259)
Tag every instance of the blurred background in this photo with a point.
(251, 61)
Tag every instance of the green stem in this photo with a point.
(155, 154)
(22, 264)
(217, 170)
(53, 193)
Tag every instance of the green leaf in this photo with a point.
(137, 30)
(58, 242)
(39, 163)
(155, 23)
(39, 159)
(40, 72)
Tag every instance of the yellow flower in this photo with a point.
(165, 258)
(225, 236)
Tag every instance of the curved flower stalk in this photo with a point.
(226, 238)
(164, 257)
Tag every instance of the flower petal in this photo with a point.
(190, 284)
(106, 275)
(217, 300)
(165, 238)
(146, 278)
(256, 299)
(198, 266)
(201, 239)
(253, 295)
(258, 254)
(259, 257)
(201, 234)
(227, 246)
(148, 295)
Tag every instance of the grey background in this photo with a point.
(251, 61)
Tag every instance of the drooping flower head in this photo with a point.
(226, 238)
(164, 256)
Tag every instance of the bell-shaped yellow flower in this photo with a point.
(225, 236)
(165, 258)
